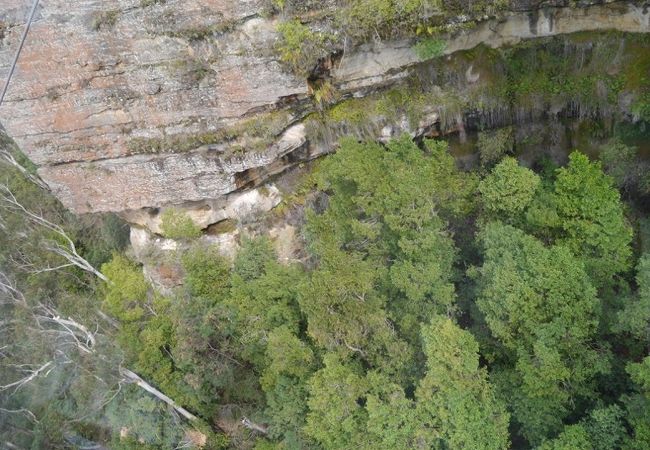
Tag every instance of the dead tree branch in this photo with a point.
(135, 378)
(78, 335)
(24, 411)
(28, 378)
(8, 288)
(6, 155)
(67, 250)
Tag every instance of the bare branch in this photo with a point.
(23, 381)
(6, 155)
(67, 251)
(352, 348)
(48, 268)
(135, 378)
(24, 411)
(8, 288)
(73, 329)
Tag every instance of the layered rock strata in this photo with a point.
(131, 105)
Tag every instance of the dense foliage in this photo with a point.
(505, 307)
(437, 309)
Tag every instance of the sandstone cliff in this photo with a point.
(135, 104)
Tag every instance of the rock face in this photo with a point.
(100, 82)
(96, 75)
(370, 65)
(241, 207)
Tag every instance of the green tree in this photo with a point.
(540, 306)
(207, 273)
(290, 363)
(147, 332)
(346, 314)
(638, 406)
(635, 316)
(508, 190)
(126, 298)
(264, 295)
(573, 437)
(592, 220)
(393, 421)
(605, 427)
(253, 257)
(388, 206)
(454, 399)
(454, 406)
(207, 348)
(126, 295)
(336, 418)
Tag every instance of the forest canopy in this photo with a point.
(436, 309)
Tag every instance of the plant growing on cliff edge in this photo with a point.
(3, 30)
(429, 48)
(105, 20)
(299, 47)
(325, 93)
(178, 225)
(200, 33)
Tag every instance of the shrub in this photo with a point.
(192, 69)
(325, 93)
(363, 18)
(178, 225)
(126, 294)
(300, 47)
(493, 145)
(207, 273)
(429, 48)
